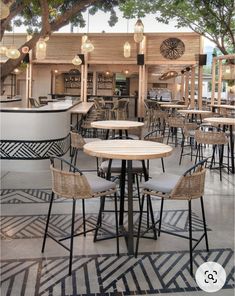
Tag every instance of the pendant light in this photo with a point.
(127, 49)
(139, 31)
(41, 48)
(13, 52)
(87, 46)
(3, 50)
(127, 46)
(4, 11)
(76, 60)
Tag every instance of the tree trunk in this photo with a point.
(8, 67)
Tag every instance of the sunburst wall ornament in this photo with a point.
(172, 48)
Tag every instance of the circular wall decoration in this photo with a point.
(172, 48)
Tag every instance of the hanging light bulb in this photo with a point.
(4, 11)
(139, 31)
(127, 49)
(13, 53)
(41, 47)
(3, 50)
(16, 71)
(87, 46)
(76, 60)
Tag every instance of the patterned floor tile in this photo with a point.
(150, 273)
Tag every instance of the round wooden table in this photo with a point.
(128, 150)
(224, 121)
(195, 112)
(119, 125)
(174, 106)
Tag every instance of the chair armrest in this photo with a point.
(62, 160)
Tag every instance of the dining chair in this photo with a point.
(188, 187)
(213, 136)
(70, 183)
(34, 103)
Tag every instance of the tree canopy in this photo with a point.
(42, 17)
(214, 19)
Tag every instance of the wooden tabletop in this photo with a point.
(82, 108)
(232, 107)
(220, 120)
(117, 124)
(192, 111)
(174, 106)
(127, 149)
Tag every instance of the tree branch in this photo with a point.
(46, 28)
(15, 9)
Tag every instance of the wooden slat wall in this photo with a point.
(191, 42)
(63, 47)
(109, 48)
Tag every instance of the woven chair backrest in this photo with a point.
(176, 122)
(70, 185)
(122, 103)
(190, 186)
(77, 140)
(211, 137)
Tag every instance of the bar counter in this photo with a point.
(30, 135)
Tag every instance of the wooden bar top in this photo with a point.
(82, 108)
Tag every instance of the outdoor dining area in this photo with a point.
(117, 174)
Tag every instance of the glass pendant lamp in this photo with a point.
(139, 31)
(41, 47)
(76, 60)
(127, 49)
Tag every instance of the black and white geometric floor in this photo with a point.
(152, 273)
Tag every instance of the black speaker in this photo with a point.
(26, 59)
(140, 59)
(202, 59)
(82, 57)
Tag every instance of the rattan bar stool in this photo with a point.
(209, 135)
(156, 136)
(175, 123)
(187, 187)
(188, 138)
(70, 183)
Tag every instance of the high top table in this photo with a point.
(119, 125)
(195, 112)
(225, 121)
(127, 151)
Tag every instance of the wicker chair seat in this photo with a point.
(163, 183)
(177, 187)
(117, 166)
(100, 186)
(77, 141)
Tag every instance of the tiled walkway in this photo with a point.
(161, 267)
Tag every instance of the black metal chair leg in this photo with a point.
(139, 227)
(163, 167)
(152, 217)
(99, 219)
(190, 237)
(160, 219)
(138, 188)
(84, 217)
(72, 236)
(116, 221)
(220, 161)
(204, 224)
(182, 151)
(48, 219)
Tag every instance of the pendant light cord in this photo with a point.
(88, 21)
